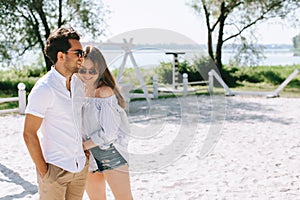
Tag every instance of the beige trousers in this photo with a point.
(59, 184)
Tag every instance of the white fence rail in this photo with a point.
(185, 86)
(157, 89)
(21, 100)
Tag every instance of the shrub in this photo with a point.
(9, 88)
(273, 75)
(247, 74)
(36, 72)
(191, 70)
(294, 83)
(164, 72)
(204, 65)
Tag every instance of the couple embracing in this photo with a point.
(76, 129)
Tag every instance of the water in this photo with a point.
(273, 57)
(152, 57)
(148, 58)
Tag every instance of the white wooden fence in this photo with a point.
(21, 99)
(185, 86)
(162, 89)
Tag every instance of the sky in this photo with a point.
(177, 16)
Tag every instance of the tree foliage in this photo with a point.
(228, 20)
(296, 45)
(26, 24)
(296, 41)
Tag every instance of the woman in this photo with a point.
(105, 124)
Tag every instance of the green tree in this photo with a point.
(26, 24)
(231, 19)
(296, 45)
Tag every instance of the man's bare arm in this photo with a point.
(31, 126)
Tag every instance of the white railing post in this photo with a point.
(185, 83)
(210, 82)
(155, 87)
(286, 81)
(220, 80)
(22, 97)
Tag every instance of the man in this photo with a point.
(50, 134)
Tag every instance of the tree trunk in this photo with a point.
(210, 44)
(59, 22)
(218, 58)
(42, 15)
(209, 32)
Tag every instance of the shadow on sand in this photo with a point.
(14, 177)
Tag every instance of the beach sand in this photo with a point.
(189, 149)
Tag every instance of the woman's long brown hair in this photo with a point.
(105, 77)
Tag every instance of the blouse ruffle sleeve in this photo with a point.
(114, 121)
(91, 127)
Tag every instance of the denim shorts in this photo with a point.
(107, 159)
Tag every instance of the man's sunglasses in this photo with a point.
(84, 71)
(79, 53)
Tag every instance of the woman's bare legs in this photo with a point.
(95, 186)
(119, 182)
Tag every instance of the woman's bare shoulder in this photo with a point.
(104, 91)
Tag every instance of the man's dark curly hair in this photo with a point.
(58, 41)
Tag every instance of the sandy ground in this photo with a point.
(190, 148)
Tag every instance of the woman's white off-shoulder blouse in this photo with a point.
(105, 117)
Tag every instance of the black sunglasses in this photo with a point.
(84, 71)
(79, 53)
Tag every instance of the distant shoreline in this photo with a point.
(106, 46)
(276, 54)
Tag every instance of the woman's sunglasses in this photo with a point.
(84, 71)
(79, 53)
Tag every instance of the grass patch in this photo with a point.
(8, 105)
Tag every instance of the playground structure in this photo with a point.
(126, 46)
(125, 88)
(228, 92)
